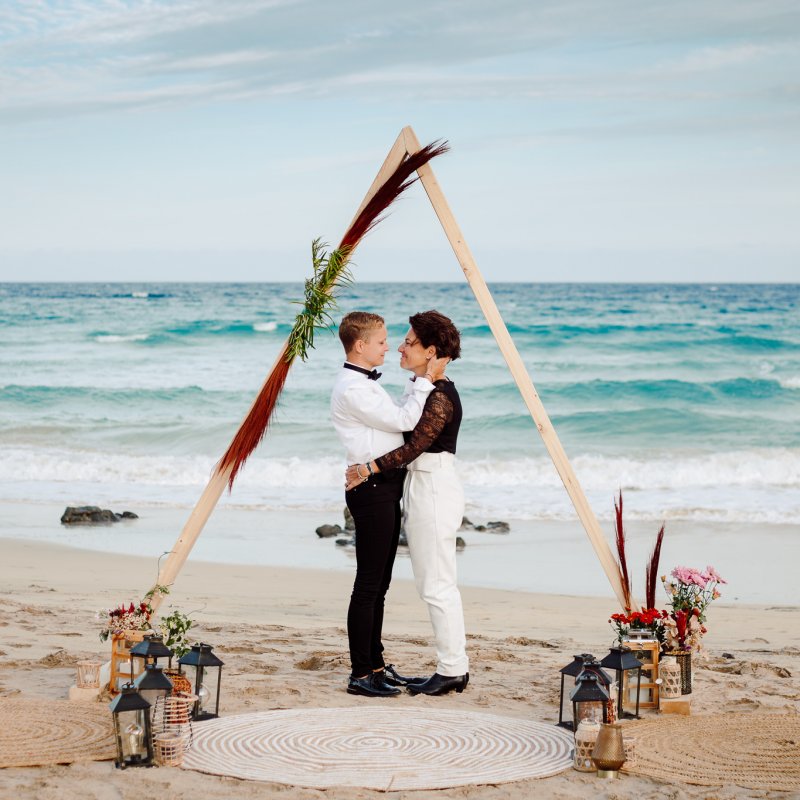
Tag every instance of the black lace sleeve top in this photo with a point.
(436, 431)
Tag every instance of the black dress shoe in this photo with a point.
(370, 686)
(393, 678)
(440, 684)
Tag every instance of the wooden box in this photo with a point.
(678, 705)
(120, 658)
(646, 651)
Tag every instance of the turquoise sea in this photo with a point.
(685, 396)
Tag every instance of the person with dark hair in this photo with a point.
(433, 499)
(370, 423)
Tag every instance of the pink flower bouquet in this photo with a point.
(690, 592)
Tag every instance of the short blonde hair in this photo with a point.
(357, 325)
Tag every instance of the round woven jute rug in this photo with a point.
(37, 732)
(755, 751)
(378, 748)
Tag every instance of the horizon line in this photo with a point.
(727, 282)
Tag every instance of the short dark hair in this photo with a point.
(433, 328)
(357, 325)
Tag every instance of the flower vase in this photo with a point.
(684, 660)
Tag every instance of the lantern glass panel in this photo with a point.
(628, 673)
(207, 680)
(568, 675)
(207, 689)
(590, 711)
(132, 736)
(633, 694)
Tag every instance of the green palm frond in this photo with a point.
(331, 272)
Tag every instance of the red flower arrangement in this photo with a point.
(126, 618)
(646, 618)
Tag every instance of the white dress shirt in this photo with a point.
(368, 421)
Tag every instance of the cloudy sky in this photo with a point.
(592, 140)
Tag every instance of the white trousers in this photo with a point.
(433, 507)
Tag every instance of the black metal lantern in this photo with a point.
(591, 664)
(207, 680)
(625, 663)
(589, 699)
(133, 729)
(572, 670)
(153, 684)
(150, 649)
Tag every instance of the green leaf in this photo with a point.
(330, 274)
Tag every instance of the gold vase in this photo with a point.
(609, 751)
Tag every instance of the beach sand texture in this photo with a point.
(280, 632)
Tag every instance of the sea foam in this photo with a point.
(737, 486)
(107, 338)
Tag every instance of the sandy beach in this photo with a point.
(281, 634)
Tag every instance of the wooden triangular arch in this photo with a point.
(407, 144)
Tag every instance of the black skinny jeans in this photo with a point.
(375, 506)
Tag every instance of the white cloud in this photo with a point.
(79, 56)
(714, 58)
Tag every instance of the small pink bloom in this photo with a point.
(697, 579)
(714, 575)
(681, 574)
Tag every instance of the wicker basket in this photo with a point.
(585, 739)
(180, 683)
(88, 674)
(670, 674)
(684, 660)
(169, 748)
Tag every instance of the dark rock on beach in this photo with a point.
(489, 527)
(93, 515)
(349, 537)
(498, 527)
(324, 531)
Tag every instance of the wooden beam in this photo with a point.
(517, 368)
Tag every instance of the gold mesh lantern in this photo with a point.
(609, 751)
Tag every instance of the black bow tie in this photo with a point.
(373, 374)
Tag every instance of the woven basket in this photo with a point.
(180, 683)
(684, 661)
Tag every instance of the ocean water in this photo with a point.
(685, 396)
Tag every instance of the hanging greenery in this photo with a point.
(330, 272)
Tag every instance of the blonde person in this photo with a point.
(433, 499)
